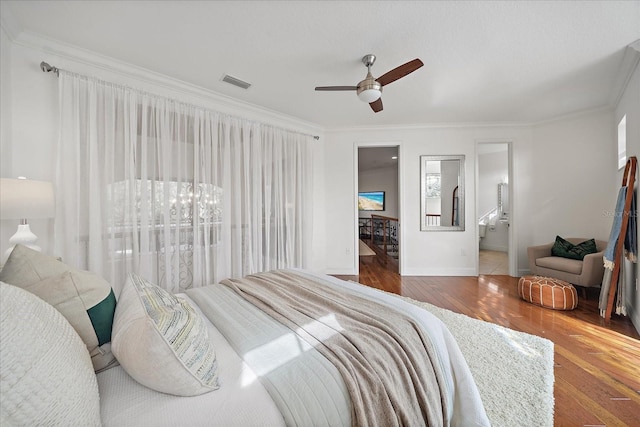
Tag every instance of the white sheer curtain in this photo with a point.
(179, 194)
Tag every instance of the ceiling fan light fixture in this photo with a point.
(369, 95)
(369, 90)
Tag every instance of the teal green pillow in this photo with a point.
(566, 249)
(85, 299)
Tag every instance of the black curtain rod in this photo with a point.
(46, 68)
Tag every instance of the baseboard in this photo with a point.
(524, 272)
(439, 272)
(634, 315)
(496, 248)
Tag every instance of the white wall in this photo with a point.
(27, 133)
(33, 131)
(382, 179)
(629, 104)
(575, 178)
(423, 252)
(5, 102)
(7, 228)
(562, 181)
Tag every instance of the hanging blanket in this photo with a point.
(630, 253)
(388, 362)
(630, 242)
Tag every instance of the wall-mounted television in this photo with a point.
(371, 201)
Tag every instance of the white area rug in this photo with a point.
(513, 370)
(364, 250)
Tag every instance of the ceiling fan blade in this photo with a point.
(376, 105)
(399, 72)
(336, 87)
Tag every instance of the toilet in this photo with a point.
(482, 230)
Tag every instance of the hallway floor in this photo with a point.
(493, 262)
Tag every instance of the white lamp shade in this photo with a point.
(369, 95)
(26, 199)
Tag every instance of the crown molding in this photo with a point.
(627, 67)
(9, 23)
(207, 97)
(420, 126)
(476, 125)
(574, 115)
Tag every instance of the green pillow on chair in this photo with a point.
(566, 249)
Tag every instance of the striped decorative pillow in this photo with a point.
(162, 342)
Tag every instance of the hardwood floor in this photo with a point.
(597, 366)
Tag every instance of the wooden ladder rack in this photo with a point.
(628, 180)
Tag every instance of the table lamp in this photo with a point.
(25, 199)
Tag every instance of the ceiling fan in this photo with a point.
(370, 89)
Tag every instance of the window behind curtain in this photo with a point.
(179, 194)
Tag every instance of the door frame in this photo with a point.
(512, 235)
(380, 144)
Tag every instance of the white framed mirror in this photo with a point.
(442, 193)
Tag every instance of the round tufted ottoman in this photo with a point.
(548, 292)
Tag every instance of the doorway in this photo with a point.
(378, 210)
(494, 211)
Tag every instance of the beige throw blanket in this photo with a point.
(387, 362)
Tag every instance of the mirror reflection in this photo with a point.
(503, 201)
(442, 193)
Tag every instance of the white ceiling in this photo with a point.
(505, 61)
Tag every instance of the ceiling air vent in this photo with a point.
(236, 82)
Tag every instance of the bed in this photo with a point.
(277, 348)
(288, 371)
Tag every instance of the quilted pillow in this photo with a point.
(47, 376)
(565, 249)
(85, 299)
(162, 342)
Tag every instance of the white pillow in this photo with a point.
(47, 376)
(161, 341)
(84, 299)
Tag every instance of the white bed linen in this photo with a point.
(467, 407)
(240, 401)
(243, 401)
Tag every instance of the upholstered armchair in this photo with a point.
(586, 273)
